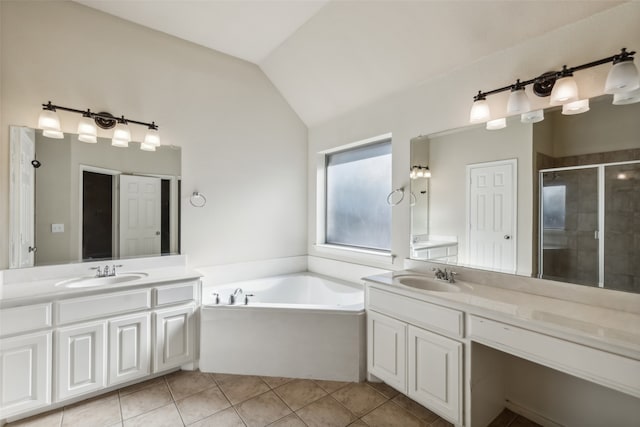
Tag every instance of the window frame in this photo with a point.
(321, 199)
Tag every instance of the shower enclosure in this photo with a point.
(590, 225)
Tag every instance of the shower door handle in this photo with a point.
(596, 234)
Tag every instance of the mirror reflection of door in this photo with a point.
(491, 203)
(97, 215)
(140, 215)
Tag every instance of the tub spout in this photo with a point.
(234, 296)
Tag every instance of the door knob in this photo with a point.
(507, 237)
(32, 249)
(157, 233)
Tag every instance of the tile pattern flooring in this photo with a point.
(199, 399)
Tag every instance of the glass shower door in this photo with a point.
(622, 227)
(569, 225)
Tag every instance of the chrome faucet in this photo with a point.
(445, 275)
(113, 270)
(234, 295)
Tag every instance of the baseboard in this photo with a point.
(531, 414)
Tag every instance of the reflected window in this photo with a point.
(358, 181)
(554, 199)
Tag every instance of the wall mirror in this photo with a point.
(72, 201)
(558, 199)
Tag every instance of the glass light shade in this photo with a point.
(152, 137)
(479, 111)
(497, 124)
(147, 147)
(626, 97)
(426, 173)
(49, 122)
(121, 136)
(581, 106)
(518, 102)
(56, 134)
(622, 77)
(414, 173)
(87, 131)
(532, 116)
(565, 90)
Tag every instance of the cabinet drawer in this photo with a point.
(416, 312)
(176, 294)
(96, 306)
(611, 370)
(24, 319)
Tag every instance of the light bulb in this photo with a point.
(496, 124)
(565, 90)
(152, 137)
(577, 107)
(518, 102)
(622, 77)
(87, 131)
(147, 147)
(532, 116)
(626, 97)
(480, 111)
(49, 122)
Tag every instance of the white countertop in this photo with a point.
(37, 285)
(603, 328)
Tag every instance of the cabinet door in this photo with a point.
(80, 361)
(129, 348)
(25, 372)
(435, 373)
(174, 337)
(386, 349)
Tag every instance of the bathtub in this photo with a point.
(299, 325)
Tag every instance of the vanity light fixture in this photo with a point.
(496, 124)
(532, 116)
(563, 89)
(627, 97)
(49, 122)
(420, 172)
(577, 107)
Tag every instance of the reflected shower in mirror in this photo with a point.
(574, 214)
(77, 202)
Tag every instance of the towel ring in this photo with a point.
(390, 197)
(197, 200)
(413, 199)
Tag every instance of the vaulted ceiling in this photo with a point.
(330, 57)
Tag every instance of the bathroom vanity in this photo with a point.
(450, 347)
(61, 341)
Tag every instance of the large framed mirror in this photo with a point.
(558, 199)
(72, 201)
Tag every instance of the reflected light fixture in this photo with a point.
(627, 97)
(49, 122)
(419, 172)
(576, 107)
(496, 124)
(560, 85)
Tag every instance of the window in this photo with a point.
(358, 181)
(554, 207)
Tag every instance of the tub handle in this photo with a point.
(246, 298)
(215, 294)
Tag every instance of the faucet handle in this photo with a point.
(217, 295)
(98, 272)
(246, 298)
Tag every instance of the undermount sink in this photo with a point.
(91, 281)
(427, 283)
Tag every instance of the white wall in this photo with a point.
(444, 103)
(243, 146)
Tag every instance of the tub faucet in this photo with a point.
(234, 295)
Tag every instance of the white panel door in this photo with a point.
(129, 348)
(80, 359)
(25, 371)
(386, 349)
(492, 215)
(140, 215)
(174, 337)
(435, 373)
(22, 197)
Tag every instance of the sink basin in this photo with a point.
(92, 281)
(427, 284)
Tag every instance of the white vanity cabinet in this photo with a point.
(174, 337)
(25, 358)
(129, 348)
(408, 351)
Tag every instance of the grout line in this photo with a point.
(120, 408)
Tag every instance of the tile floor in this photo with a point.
(199, 399)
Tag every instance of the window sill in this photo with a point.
(361, 255)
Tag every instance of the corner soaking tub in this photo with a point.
(299, 325)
